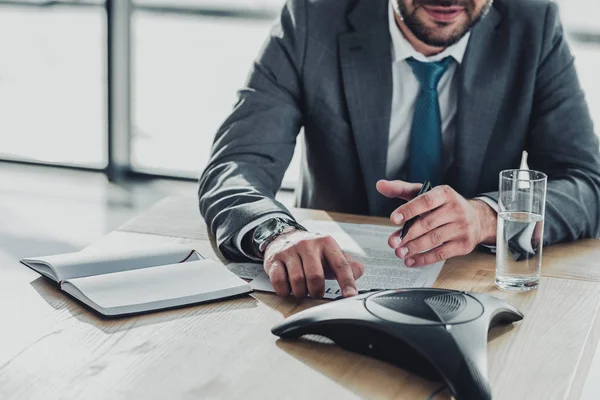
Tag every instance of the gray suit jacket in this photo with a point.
(327, 67)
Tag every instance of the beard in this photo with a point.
(431, 36)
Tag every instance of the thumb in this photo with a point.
(399, 189)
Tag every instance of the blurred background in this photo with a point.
(82, 107)
(187, 60)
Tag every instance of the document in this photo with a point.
(368, 245)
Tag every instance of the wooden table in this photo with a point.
(52, 347)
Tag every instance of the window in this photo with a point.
(187, 69)
(53, 84)
(580, 18)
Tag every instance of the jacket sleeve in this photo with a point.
(255, 145)
(562, 143)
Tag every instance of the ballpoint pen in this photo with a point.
(424, 189)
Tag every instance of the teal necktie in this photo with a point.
(426, 145)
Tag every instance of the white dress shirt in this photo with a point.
(405, 92)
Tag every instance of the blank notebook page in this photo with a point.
(157, 284)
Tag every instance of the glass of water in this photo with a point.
(520, 235)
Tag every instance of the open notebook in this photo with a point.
(126, 281)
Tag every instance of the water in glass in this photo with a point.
(519, 250)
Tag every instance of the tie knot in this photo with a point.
(429, 73)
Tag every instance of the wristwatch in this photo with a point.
(268, 231)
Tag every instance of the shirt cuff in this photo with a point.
(240, 235)
(492, 203)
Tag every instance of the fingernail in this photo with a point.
(398, 218)
(350, 291)
(409, 262)
(396, 241)
(403, 252)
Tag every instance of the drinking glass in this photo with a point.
(520, 234)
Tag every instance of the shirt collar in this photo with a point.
(402, 49)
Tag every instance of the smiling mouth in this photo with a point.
(444, 14)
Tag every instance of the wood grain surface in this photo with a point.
(52, 347)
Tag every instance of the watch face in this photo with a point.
(264, 230)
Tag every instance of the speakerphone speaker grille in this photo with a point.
(426, 305)
(447, 306)
(410, 303)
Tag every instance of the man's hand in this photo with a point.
(298, 262)
(449, 225)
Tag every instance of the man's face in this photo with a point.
(441, 23)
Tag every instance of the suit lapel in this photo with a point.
(481, 88)
(366, 64)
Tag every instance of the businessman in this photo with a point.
(391, 93)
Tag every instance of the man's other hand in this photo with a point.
(450, 225)
(298, 262)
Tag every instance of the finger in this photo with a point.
(315, 275)
(429, 201)
(279, 279)
(428, 241)
(394, 239)
(426, 223)
(295, 272)
(398, 189)
(342, 270)
(444, 252)
(357, 268)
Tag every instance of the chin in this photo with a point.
(444, 28)
(439, 33)
(444, 34)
